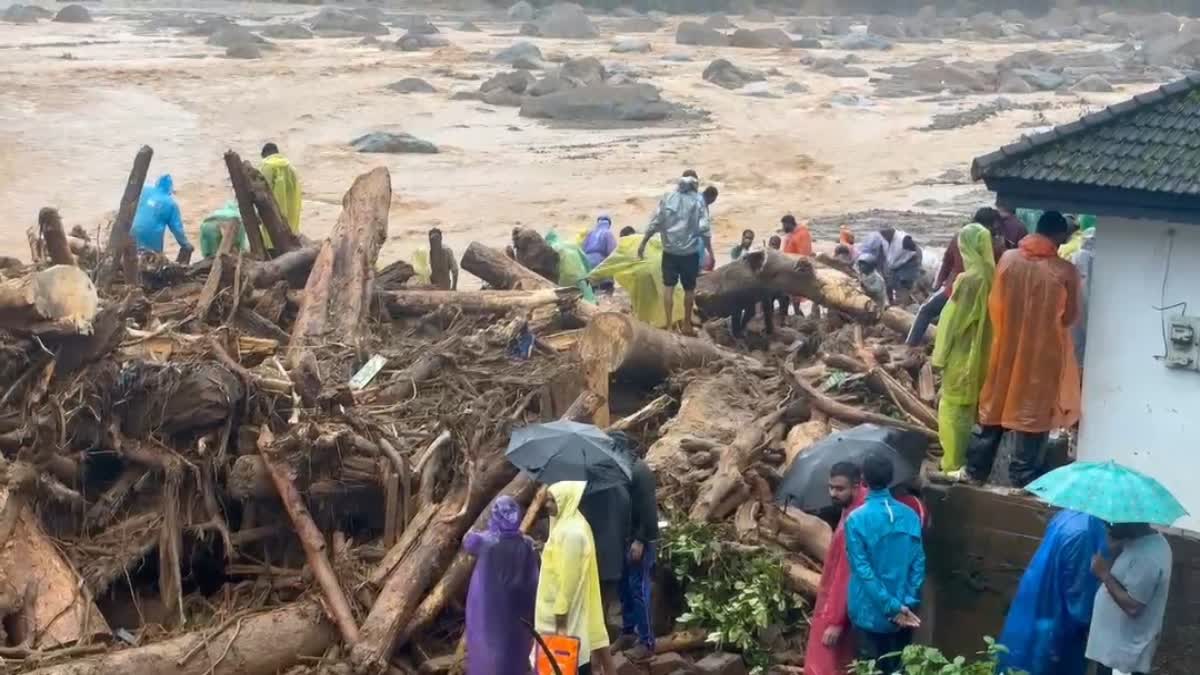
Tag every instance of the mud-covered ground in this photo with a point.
(79, 99)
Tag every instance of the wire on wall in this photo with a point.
(1163, 307)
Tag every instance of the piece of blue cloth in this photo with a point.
(635, 597)
(887, 562)
(1047, 626)
(156, 213)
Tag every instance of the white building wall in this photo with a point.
(1136, 411)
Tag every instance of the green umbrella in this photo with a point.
(1110, 492)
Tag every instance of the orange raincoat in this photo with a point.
(1032, 382)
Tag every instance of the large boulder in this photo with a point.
(412, 42)
(334, 21)
(763, 38)
(583, 72)
(418, 24)
(887, 26)
(1093, 84)
(638, 24)
(411, 85)
(692, 33)
(718, 22)
(548, 85)
(1042, 80)
(24, 14)
(838, 68)
(932, 76)
(809, 27)
(522, 11)
(631, 46)
(392, 143)
(73, 14)
(724, 74)
(863, 41)
(1014, 84)
(244, 51)
(520, 50)
(599, 103)
(234, 36)
(988, 25)
(515, 81)
(566, 21)
(468, 26)
(209, 27)
(287, 31)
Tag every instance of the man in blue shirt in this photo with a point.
(887, 569)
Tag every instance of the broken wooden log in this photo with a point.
(292, 267)
(258, 644)
(638, 350)
(245, 201)
(50, 227)
(901, 321)
(796, 530)
(762, 274)
(850, 414)
(337, 297)
(283, 239)
(883, 382)
(405, 382)
(713, 500)
(802, 436)
(500, 271)
(58, 299)
(121, 253)
(419, 302)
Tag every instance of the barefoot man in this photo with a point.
(678, 219)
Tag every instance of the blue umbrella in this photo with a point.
(1110, 492)
(562, 450)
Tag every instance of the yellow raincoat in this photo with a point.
(964, 340)
(569, 582)
(641, 279)
(285, 185)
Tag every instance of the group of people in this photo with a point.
(1089, 595)
(870, 594)
(1010, 305)
(601, 548)
(158, 211)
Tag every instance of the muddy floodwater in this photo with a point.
(77, 100)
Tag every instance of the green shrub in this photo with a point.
(921, 660)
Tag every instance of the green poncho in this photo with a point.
(572, 266)
(210, 229)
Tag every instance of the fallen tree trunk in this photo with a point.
(503, 273)
(245, 202)
(420, 302)
(883, 382)
(121, 251)
(636, 349)
(337, 297)
(58, 299)
(293, 267)
(713, 501)
(850, 414)
(260, 644)
(801, 437)
(283, 239)
(763, 274)
(796, 530)
(901, 321)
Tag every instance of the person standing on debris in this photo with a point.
(872, 281)
(797, 238)
(830, 642)
(951, 267)
(1009, 228)
(609, 512)
(158, 212)
(744, 245)
(501, 596)
(1032, 383)
(443, 268)
(600, 242)
(1047, 626)
(638, 574)
(568, 593)
(887, 568)
(898, 258)
(679, 221)
(964, 341)
(284, 184)
(1127, 619)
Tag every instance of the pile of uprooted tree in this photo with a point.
(268, 460)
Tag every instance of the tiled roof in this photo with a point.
(1148, 143)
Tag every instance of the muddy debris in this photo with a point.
(966, 118)
(392, 143)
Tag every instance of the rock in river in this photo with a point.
(287, 31)
(521, 11)
(724, 74)
(1093, 83)
(73, 14)
(339, 21)
(411, 85)
(599, 103)
(763, 38)
(387, 142)
(520, 50)
(566, 21)
(24, 14)
(244, 51)
(631, 46)
(692, 33)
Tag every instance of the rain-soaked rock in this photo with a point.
(25, 14)
(287, 31)
(692, 33)
(411, 85)
(1040, 79)
(412, 42)
(1094, 84)
(468, 27)
(244, 51)
(392, 143)
(516, 81)
(599, 103)
(566, 20)
(724, 74)
(547, 85)
(631, 46)
(836, 68)
(526, 63)
(796, 88)
(519, 50)
(863, 41)
(807, 27)
(1014, 84)
(718, 22)
(763, 38)
(931, 76)
(521, 11)
(233, 36)
(334, 21)
(678, 57)
(988, 25)
(73, 14)
(503, 97)
(583, 72)
(638, 24)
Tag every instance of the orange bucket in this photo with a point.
(566, 653)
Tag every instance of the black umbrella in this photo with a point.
(805, 485)
(563, 450)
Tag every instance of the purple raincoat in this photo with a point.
(600, 242)
(502, 594)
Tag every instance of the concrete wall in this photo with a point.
(1135, 410)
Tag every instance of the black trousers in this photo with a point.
(741, 317)
(883, 648)
(1028, 456)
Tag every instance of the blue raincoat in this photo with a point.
(158, 211)
(1046, 631)
(887, 562)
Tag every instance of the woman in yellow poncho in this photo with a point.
(964, 339)
(568, 595)
(284, 184)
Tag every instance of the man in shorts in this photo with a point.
(679, 220)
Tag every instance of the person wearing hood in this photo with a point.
(210, 229)
(285, 185)
(158, 212)
(963, 343)
(830, 642)
(501, 595)
(1032, 384)
(638, 573)
(887, 568)
(1046, 631)
(600, 241)
(609, 512)
(568, 592)
(679, 220)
